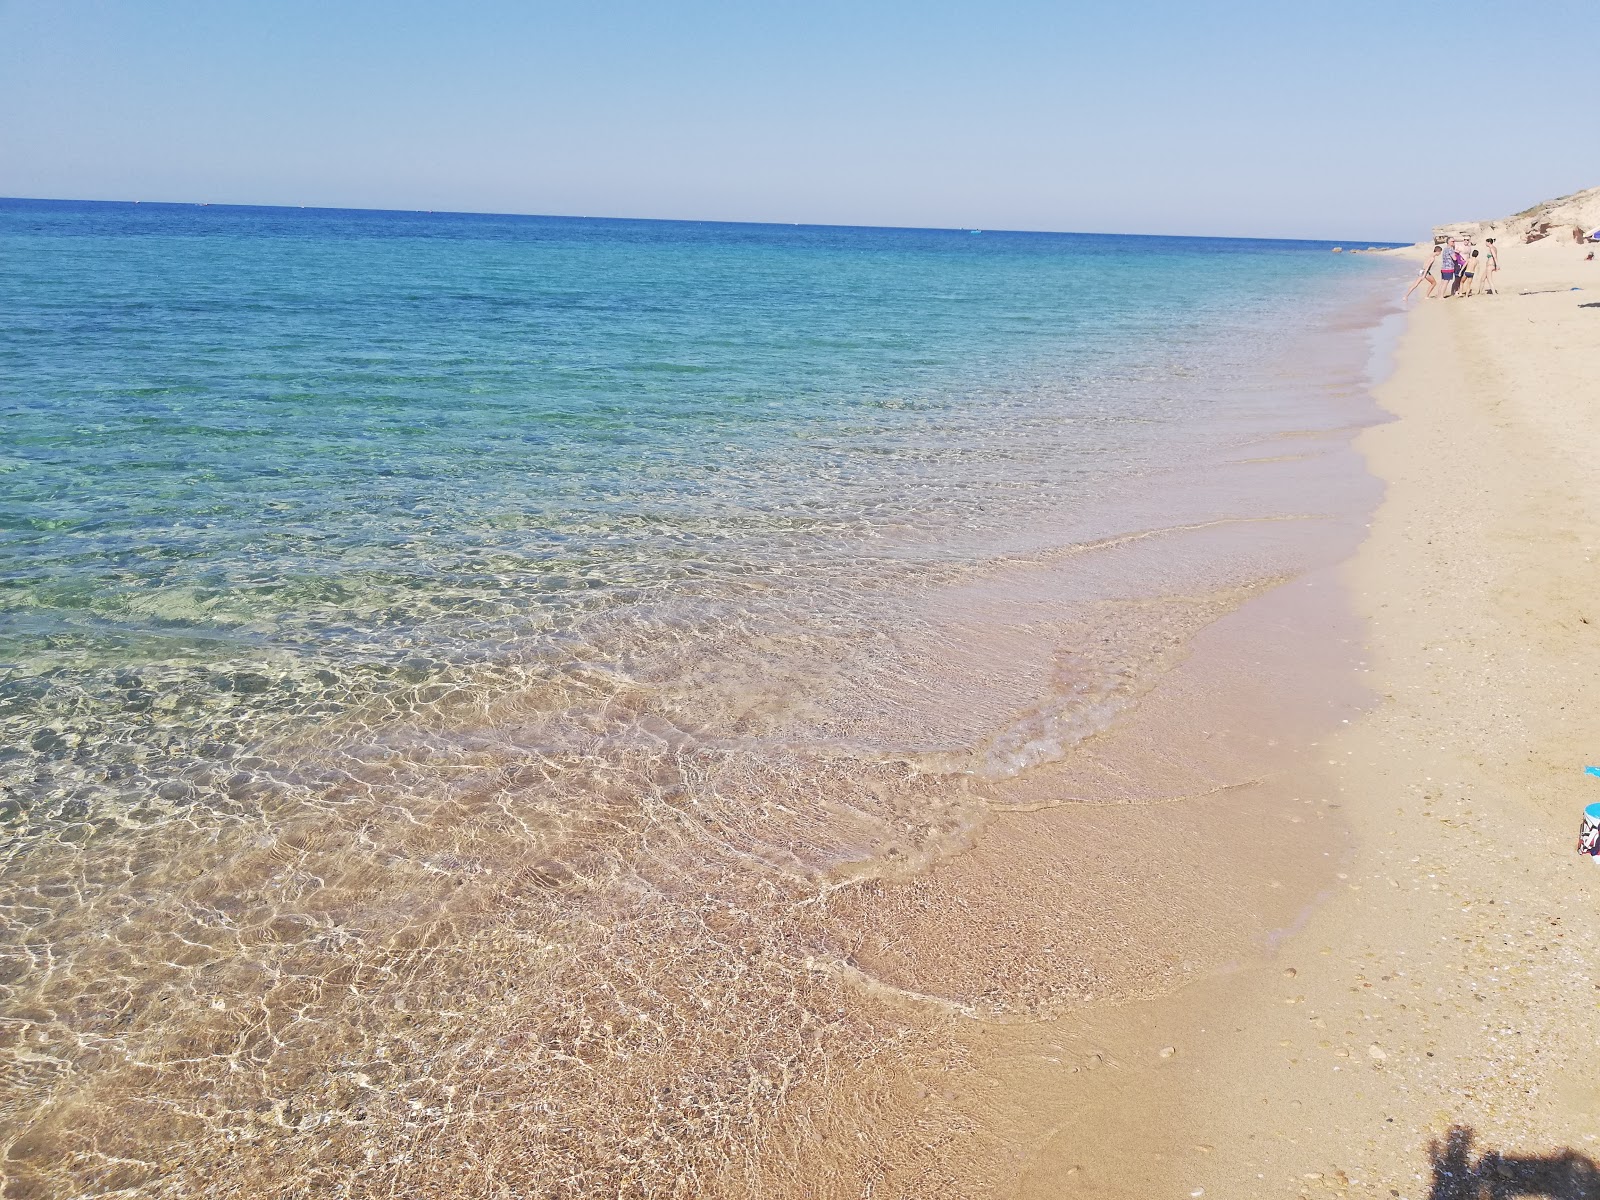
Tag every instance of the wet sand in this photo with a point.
(1439, 1004)
(1178, 842)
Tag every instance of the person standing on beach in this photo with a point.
(1427, 273)
(1447, 269)
(1469, 272)
(1491, 264)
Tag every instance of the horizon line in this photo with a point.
(697, 221)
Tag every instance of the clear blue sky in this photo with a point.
(1355, 120)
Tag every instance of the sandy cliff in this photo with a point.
(1557, 218)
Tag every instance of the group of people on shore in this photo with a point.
(1459, 268)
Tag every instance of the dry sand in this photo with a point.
(1451, 978)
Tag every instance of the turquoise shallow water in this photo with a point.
(236, 424)
(372, 442)
(350, 560)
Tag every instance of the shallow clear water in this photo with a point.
(469, 606)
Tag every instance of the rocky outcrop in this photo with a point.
(1553, 218)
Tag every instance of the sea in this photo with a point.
(454, 666)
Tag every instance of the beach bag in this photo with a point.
(1589, 831)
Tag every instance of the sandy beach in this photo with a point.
(1438, 1006)
(1211, 839)
(768, 604)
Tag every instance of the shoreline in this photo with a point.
(1436, 1007)
(1177, 842)
(1200, 899)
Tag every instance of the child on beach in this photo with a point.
(1426, 274)
(1459, 250)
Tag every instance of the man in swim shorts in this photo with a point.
(1447, 269)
